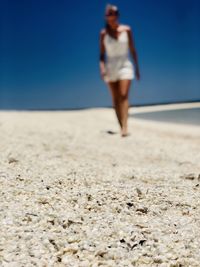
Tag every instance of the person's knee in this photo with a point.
(124, 97)
(116, 101)
(116, 97)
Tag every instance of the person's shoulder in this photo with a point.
(125, 27)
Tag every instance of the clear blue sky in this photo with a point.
(49, 52)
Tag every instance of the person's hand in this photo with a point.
(103, 74)
(137, 73)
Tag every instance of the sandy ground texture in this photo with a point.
(74, 194)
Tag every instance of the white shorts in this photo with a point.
(114, 73)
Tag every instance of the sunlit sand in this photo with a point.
(75, 193)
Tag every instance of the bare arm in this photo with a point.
(102, 55)
(133, 52)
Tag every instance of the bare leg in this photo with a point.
(124, 86)
(114, 89)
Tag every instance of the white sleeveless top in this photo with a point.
(116, 47)
(117, 51)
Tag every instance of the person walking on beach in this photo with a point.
(116, 69)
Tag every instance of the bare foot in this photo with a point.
(124, 132)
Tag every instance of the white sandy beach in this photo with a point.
(74, 195)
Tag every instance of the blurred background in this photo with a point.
(49, 52)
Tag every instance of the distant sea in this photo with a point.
(183, 116)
